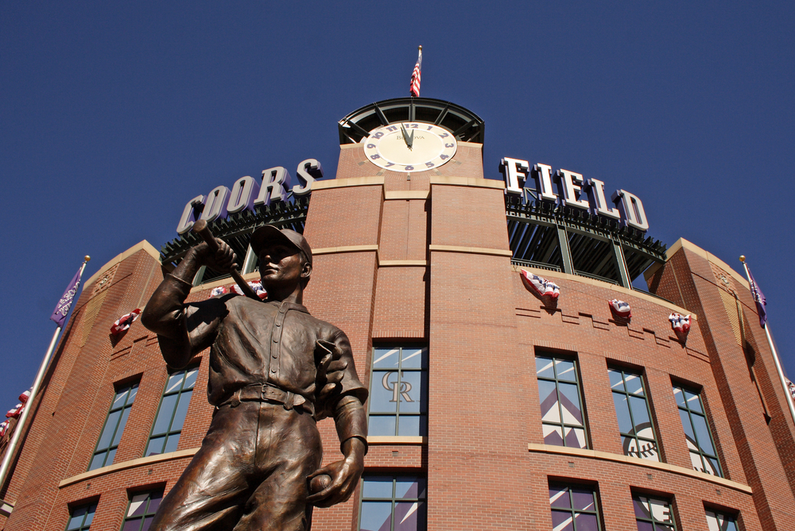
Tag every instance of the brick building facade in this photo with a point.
(511, 409)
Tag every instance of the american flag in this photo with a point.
(415, 77)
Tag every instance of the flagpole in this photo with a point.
(12, 446)
(772, 349)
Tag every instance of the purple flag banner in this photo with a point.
(759, 299)
(62, 308)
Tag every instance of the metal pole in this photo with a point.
(12, 447)
(775, 354)
(6, 466)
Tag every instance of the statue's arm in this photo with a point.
(185, 330)
(350, 420)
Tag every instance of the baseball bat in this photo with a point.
(201, 228)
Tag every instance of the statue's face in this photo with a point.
(281, 265)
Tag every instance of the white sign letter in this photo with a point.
(215, 206)
(274, 180)
(572, 185)
(307, 171)
(187, 219)
(599, 207)
(513, 171)
(243, 193)
(631, 209)
(543, 174)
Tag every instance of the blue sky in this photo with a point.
(115, 114)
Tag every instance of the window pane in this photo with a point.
(155, 445)
(122, 424)
(110, 426)
(182, 411)
(386, 358)
(616, 380)
(410, 488)
(377, 487)
(559, 497)
(164, 415)
(382, 399)
(565, 370)
(381, 425)
(414, 358)
(640, 413)
(410, 394)
(562, 521)
(406, 516)
(376, 516)
(548, 395)
(190, 379)
(702, 434)
(553, 435)
(570, 402)
(582, 499)
(409, 425)
(384, 508)
(634, 384)
(622, 413)
(174, 382)
(545, 368)
(586, 522)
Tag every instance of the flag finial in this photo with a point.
(742, 258)
(87, 258)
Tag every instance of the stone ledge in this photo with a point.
(634, 461)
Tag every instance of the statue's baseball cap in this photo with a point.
(270, 234)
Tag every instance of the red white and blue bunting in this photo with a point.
(680, 324)
(256, 285)
(620, 309)
(124, 322)
(545, 289)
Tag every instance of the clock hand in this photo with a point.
(406, 138)
(411, 139)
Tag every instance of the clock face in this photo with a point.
(409, 146)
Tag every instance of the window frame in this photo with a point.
(663, 525)
(422, 498)
(90, 509)
(731, 516)
(376, 379)
(121, 422)
(556, 358)
(562, 484)
(649, 413)
(170, 432)
(147, 512)
(703, 456)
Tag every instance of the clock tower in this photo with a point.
(406, 136)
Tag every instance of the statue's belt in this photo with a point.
(271, 394)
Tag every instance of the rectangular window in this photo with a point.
(562, 416)
(141, 511)
(80, 518)
(394, 503)
(574, 508)
(105, 451)
(699, 437)
(721, 522)
(634, 417)
(172, 411)
(398, 391)
(653, 514)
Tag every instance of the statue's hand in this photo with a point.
(344, 476)
(330, 371)
(221, 260)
